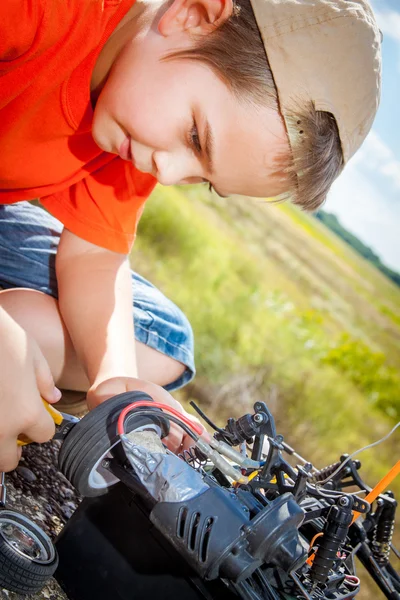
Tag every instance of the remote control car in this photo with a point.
(243, 520)
(229, 518)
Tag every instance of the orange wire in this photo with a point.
(310, 559)
(317, 535)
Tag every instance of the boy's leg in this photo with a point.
(28, 244)
(38, 314)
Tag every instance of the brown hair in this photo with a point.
(235, 51)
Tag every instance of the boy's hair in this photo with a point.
(236, 53)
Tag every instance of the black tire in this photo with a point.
(90, 440)
(27, 556)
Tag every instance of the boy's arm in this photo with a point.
(95, 299)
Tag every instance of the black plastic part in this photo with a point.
(198, 530)
(96, 433)
(109, 550)
(18, 573)
(239, 430)
(334, 535)
(383, 578)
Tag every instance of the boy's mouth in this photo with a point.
(125, 151)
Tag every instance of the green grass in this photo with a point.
(280, 307)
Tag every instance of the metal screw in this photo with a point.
(105, 463)
(247, 529)
(258, 418)
(344, 501)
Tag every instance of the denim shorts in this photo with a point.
(29, 237)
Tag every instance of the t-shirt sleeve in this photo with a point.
(105, 207)
(19, 20)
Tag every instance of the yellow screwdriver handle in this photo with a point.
(53, 412)
(55, 415)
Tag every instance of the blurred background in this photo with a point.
(301, 311)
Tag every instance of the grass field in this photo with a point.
(283, 311)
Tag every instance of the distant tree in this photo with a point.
(333, 223)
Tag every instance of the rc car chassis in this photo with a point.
(230, 518)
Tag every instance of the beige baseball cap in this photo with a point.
(327, 52)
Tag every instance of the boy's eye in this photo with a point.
(194, 137)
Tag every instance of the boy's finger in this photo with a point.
(9, 455)
(42, 429)
(173, 440)
(44, 378)
(187, 442)
(205, 434)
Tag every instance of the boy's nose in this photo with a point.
(173, 168)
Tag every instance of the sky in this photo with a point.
(366, 196)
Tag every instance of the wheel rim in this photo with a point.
(100, 477)
(25, 538)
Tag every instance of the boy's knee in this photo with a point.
(29, 308)
(157, 367)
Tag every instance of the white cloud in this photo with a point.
(366, 209)
(375, 155)
(392, 171)
(389, 23)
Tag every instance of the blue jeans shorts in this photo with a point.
(29, 238)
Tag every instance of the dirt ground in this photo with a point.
(41, 492)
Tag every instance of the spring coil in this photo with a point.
(322, 474)
(383, 533)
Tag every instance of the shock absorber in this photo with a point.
(334, 535)
(322, 474)
(326, 472)
(384, 530)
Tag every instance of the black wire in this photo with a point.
(151, 413)
(208, 420)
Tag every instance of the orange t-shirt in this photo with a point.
(47, 53)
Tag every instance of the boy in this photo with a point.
(99, 101)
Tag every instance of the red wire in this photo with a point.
(194, 426)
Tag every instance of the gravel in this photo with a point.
(41, 492)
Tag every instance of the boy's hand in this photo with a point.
(25, 378)
(177, 440)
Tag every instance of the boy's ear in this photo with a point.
(194, 16)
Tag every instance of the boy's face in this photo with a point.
(178, 121)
